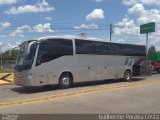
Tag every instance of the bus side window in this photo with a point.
(42, 54)
(44, 58)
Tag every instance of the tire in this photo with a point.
(48, 86)
(158, 70)
(127, 76)
(65, 81)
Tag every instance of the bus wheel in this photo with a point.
(127, 76)
(65, 81)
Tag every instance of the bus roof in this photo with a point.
(70, 37)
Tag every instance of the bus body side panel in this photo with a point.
(48, 73)
(103, 66)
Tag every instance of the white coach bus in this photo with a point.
(67, 60)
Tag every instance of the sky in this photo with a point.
(22, 20)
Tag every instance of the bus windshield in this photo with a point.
(25, 59)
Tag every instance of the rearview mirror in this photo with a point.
(10, 51)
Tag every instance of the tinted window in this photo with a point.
(54, 48)
(92, 47)
(126, 49)
(42, 53)
(104, 48)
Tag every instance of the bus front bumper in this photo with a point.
(23, 80)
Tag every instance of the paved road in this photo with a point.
(141, 96)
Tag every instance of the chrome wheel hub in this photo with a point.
(65, 81)
(127, 76)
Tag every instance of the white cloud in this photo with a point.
(136, 9)
(39, 7)
(43, 28)
(150, 2)
(8, 2)
(20, 31)
(144, 2)
(10, 46)
(86, 26)
(126, 26)
(130, 2)
(152, 15)
(99, 0)
(4, 25)
(144, 16)
(119, 40)
(27, 28)
(95, 15)
(19, 42)
(126, 23)
(48, 18)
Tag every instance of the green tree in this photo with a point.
(152, 50)
(6, 55)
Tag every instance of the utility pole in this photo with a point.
(111, 32)
(146, 44)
